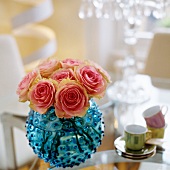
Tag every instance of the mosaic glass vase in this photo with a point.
(65, 142)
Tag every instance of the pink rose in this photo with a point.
(48, 66)
(42, 96)
(70, 63)
(92, 80)
(63, 73)
(25, 84)
(71, 100)
(101, 70)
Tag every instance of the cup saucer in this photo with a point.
(147, 150)
(134, 157)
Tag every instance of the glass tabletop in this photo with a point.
(116, 116)
(107, 160)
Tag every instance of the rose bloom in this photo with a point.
(101, 70)
(71, 100)
(42, 96)
(48, 66)
(92, 80)
(63, 73)
(25, 84)
(70, 63)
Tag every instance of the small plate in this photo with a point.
(120, 145)
(134, 157)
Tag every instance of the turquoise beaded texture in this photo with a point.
(65, 142)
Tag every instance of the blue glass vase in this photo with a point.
(65, 142)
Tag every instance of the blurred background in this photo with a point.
(63, 21)
(99, 39)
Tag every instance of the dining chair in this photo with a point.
(158, 60)
(12, 140)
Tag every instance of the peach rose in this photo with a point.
(42, 96)
(101, 70)
(25, 84)
(70, 63)
(63, 73)
(48, 66)
(92, 80)
(71, 100)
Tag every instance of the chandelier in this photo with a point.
(118, 9)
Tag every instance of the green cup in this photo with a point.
(135, 136)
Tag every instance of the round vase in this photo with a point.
(65, 142)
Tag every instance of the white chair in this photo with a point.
(13, 151)
(158, 60)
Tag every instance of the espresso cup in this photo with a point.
(157, 132)
(154, 116)
(135, 136)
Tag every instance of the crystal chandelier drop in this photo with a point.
(117, 9)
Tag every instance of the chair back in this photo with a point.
(11, 67)
(158, 60)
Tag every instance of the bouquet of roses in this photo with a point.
(67, 85)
